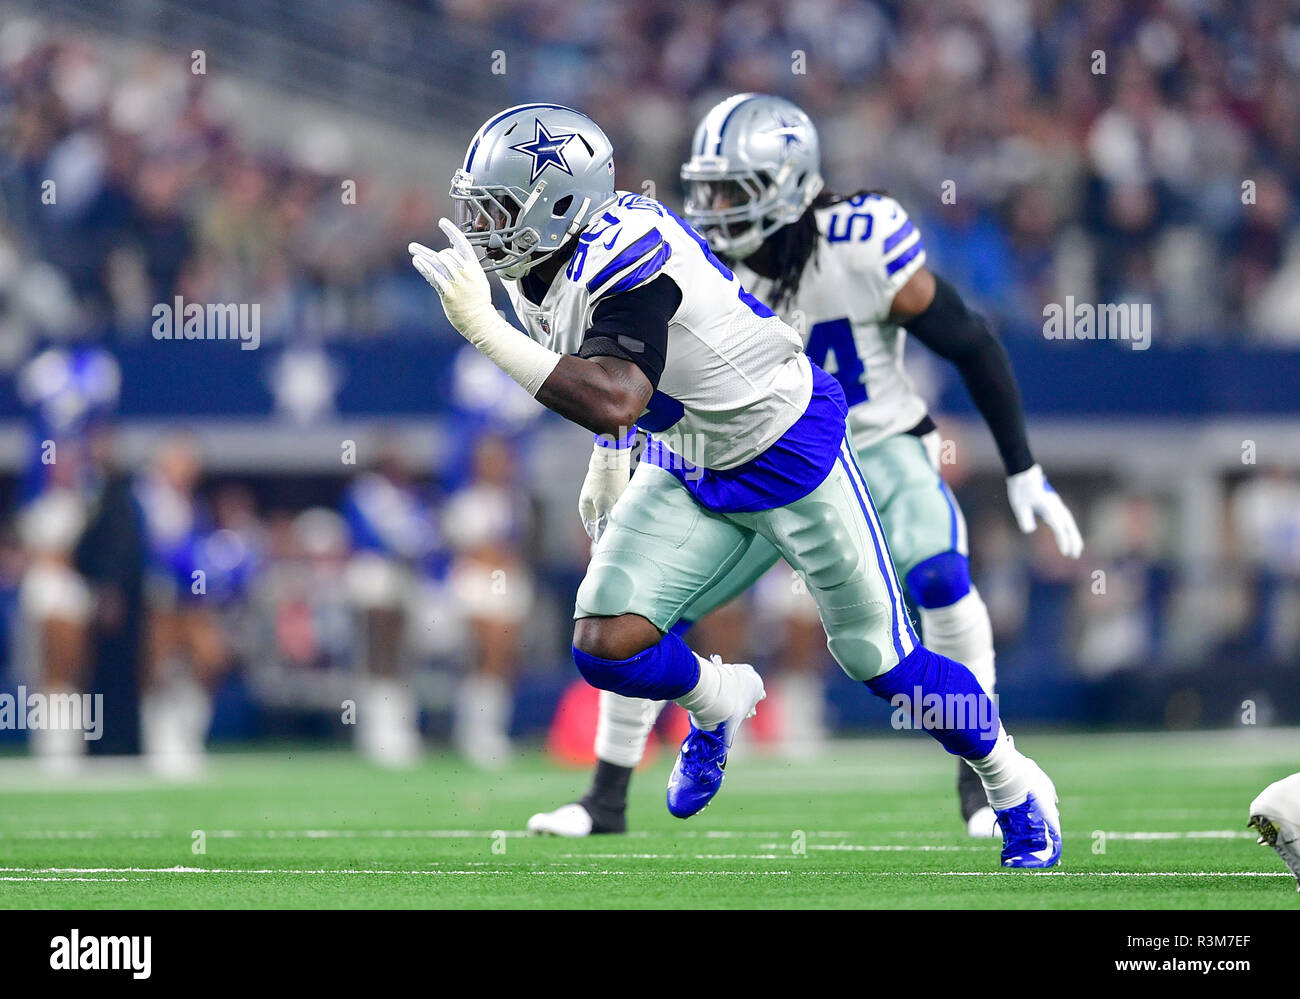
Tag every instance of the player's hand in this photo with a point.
(459, 280)
(1033, 498)
(608, 473)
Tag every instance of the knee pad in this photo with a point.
(664, 672)
(940, 580)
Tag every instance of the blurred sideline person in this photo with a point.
(55, 605)
(186, 654)
(111, 556)
(849, 274)
(487, 523)
(68, 392)
(393, 532)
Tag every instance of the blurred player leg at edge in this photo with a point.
(1275, 814)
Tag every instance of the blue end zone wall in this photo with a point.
(408, 374)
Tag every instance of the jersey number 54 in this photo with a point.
(832, 348)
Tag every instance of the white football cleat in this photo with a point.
(573, 821)
(1275, 813)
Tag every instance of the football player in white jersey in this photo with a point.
(630, 319)
(850, 274)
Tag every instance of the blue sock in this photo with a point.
(664, 672)
(943, 697)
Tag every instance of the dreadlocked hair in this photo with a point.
(794, 246)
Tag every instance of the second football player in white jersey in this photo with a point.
(850, 273)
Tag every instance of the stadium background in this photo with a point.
(1182, 462)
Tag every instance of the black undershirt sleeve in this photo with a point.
(960, 335)
(633, 326)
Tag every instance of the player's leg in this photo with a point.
(926, 534)
(1275, 812)
(834, 538)
(660, 552)
(625, 723)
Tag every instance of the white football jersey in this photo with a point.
(735, 377)
(868, 251)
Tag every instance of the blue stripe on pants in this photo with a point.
(881, 563)
(891, 580)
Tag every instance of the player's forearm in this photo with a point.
(992, 387)
(603, 394)
(960, 335)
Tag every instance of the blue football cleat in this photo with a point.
(701, 762)
(1031, 831)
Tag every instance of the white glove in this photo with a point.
(466, 297)
(1032, 496)
(608, 474)
(460, 281)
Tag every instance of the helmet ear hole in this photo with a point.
(562, 206)
(802, 177)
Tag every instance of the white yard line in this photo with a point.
(72, 879)
(1202, 834)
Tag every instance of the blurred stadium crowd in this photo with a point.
(1122, 185)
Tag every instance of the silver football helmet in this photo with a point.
(755, 166)
(533, 176)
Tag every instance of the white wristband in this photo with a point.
(514, 352)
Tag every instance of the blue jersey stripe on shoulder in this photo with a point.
(626, 258)
(701, 242)
(639, 274)
(904, 258)
(899, 235)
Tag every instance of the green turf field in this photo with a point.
(873, 824)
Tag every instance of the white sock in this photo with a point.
(962, 631)
(710, 701)
(624, 726)
(1006, 773)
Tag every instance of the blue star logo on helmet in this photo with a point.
(546, 150)
(788, 130)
